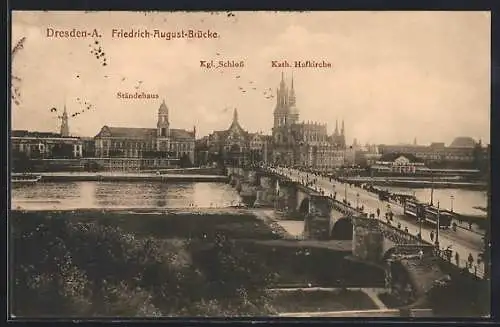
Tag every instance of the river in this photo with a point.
(80, 195)
(462, 201)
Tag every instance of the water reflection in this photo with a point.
(122, 194)
(462, 201)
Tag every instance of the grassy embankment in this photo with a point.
(77, 264)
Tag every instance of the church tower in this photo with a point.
(281, 110)
(293, 110)
(163, 129)
(336, 133)
(235, 124)
(64, 123)
(342, 135)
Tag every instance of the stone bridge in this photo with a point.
(324, 217)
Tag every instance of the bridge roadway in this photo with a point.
(461, 241)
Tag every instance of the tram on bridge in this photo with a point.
(428, 213)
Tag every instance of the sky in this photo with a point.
(394, 76)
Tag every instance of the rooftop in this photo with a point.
(463, 142)
(141, 133)
(24, 133)
(388, 157)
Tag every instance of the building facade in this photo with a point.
(46, 151)
(400, 163)
(162, 142)
(304, 144)
(462, 152)
(46, 145)
(234, 146)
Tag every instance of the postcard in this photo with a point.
(250, 164)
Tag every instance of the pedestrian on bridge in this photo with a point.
(378, 212)
(470, 259)
(457, 258)
(406, 229)
(432, 236)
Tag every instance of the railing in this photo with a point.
(476, 270)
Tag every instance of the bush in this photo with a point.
(67, 268)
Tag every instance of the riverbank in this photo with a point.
(118, 263)
(415, 183)
(124, 176)
(188, 171)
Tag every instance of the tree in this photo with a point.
(89, 268)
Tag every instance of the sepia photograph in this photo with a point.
(250, 164)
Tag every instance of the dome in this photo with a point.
(463, 142)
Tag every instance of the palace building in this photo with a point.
(235, 146)
(158, 146)
(305, 144)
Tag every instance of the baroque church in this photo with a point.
(305, 144)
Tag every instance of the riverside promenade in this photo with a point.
(124, 176)
(462, 242)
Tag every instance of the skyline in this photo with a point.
(434, 64)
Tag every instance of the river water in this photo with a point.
(462, 201)
(80, 195)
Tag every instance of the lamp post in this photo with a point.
(420, 213)
(437, 228)
(345, 191)
(357, 200)
(432, 187)
(451, 199)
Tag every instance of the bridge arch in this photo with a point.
(304, 206)
(342, 229)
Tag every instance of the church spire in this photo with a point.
(342, 131)
(291, 97)
(64, 123)
(336, 127)
(235, 116)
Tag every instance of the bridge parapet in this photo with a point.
(367, 239)
(399, 236)
(409, 250)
